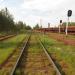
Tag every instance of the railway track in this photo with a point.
(7, 66)
(6, 37)
(2, 36)
(35, 60)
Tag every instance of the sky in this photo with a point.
(33, 11)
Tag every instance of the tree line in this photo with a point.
(7, 23)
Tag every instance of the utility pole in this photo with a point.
(67, 26)
(48, 25)
(6, 11)
(41, 22)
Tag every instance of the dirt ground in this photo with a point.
(62, 38)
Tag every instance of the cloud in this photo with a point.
(50, 10)
(44, 9)
(41, 4)
(31, 11)
(1, 0)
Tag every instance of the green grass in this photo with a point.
(3, 33)
(64, 54)
(7, 46)
(34, 46)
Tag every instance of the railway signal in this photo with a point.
(60, 25)
(69, 14)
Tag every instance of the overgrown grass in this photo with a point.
(64, 54)
(34, 47)
(7, 46)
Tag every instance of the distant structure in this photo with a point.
(48, 25)
(71, 28)
(41, 26)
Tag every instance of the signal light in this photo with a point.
(69, 13)
(60, 21)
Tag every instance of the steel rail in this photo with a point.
(14, 68)
(6, 37)
(50, 58)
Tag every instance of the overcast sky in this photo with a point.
(31, 11)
